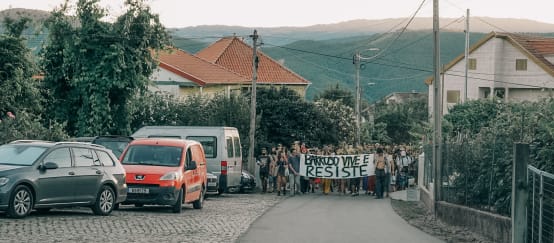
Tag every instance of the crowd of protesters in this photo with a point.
(395, 169)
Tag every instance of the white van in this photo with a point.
(221, 146)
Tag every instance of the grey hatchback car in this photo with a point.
(42, 175)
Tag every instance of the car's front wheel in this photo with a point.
(105, 201)
(178, 206)
(21, 202)
(198, 203)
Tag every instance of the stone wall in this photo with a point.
(493, 226)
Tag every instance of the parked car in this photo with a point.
(221, 145)
(247, 182)
(165, 171)
(42, 175)
(213, 185)
(114, 142)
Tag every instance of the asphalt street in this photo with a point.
(333, 218)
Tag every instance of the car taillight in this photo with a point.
(224, 167)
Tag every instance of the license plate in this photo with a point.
(212, 183)
(139, 190)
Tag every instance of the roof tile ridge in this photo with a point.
(275, 62)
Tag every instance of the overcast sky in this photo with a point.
(260, 13)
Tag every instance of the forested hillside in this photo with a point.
(402, 63)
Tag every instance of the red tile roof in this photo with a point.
(234, 54)
(196, 69)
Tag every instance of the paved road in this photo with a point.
(223, 219)
(333, 218)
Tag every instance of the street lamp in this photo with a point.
(356, 60)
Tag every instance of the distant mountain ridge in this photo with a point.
(361, 27)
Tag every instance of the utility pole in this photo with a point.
(252, 134)
(466, 54)
(437, 107)
(357, 59)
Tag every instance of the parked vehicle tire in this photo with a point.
(178, 206)
(21, 202)
(198, 203)
(105, 201)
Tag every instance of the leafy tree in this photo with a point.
(18, 90)
(94, 68)
(401, 122)
(337, 94)
(20, 99)
(343, 122)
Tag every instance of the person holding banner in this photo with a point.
(325, 182)
(380, 161)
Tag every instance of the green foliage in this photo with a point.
(30, 126)
(94, 68)
(480, 136)
(18, 91)
(401, 122)
(337, 94)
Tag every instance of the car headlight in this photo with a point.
(171, 176)
(4, 181)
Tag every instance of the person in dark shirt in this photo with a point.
(263, 161)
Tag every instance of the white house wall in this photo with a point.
(496, 68)
(163, 75)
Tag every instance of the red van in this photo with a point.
(165, 171)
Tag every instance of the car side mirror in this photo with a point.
(48, 166)
(192, 165)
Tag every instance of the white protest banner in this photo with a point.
(336, 166)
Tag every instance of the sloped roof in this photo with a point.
(534, 47)
(234, 54)
(196, 69)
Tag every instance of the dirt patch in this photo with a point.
(417, 215)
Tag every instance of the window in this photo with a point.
(188, 159)
(500, 93)
(83, 157)
(61, 156)
(105, 159)
(521, 64)
(229, 147)
(453, 96)
(209, 144)
(472, 63)
(236, 141)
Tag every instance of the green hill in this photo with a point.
(402, 64)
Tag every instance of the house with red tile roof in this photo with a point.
(512, 67)
(223, 67)
(234, 54)
(182, 74)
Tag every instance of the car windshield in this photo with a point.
(20, 154)
(153, 155)
(116, 147)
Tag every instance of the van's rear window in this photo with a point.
(209, 144)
